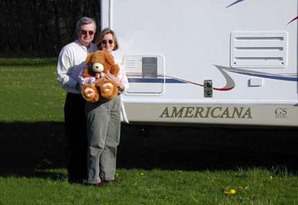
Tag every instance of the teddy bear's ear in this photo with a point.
(109, 58)
(115, 69)
(89, 58)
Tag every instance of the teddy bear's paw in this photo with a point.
(90, 93)
(108, 90)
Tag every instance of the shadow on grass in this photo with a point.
(209, 148)
(30, 149)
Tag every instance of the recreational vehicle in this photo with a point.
(231, 62)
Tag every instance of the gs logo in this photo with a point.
(281, 112)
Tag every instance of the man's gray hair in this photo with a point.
(83, 21)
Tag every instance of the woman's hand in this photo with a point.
(100, 75)
(120, 86)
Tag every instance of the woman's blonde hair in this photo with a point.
(101, 36)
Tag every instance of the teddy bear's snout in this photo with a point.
(97, 67)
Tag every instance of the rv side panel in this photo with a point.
(216, 61)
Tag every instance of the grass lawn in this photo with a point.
(188, 168)
(137, 186)
(29, 90)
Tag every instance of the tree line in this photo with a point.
(41, 28)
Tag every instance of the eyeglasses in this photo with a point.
(109, 41)
(84, 32)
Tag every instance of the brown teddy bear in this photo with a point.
(100, 65)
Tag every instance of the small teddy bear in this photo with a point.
(100, 64)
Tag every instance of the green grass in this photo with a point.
(136, 186)
(30, 93)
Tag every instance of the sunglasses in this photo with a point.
(109, 41)
(84, 32)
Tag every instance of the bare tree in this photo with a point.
(41, 27)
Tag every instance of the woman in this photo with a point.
(103, 122)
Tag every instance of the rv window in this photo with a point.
(149, 67)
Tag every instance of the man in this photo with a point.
(70, 63)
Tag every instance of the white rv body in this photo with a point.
(207, 62)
